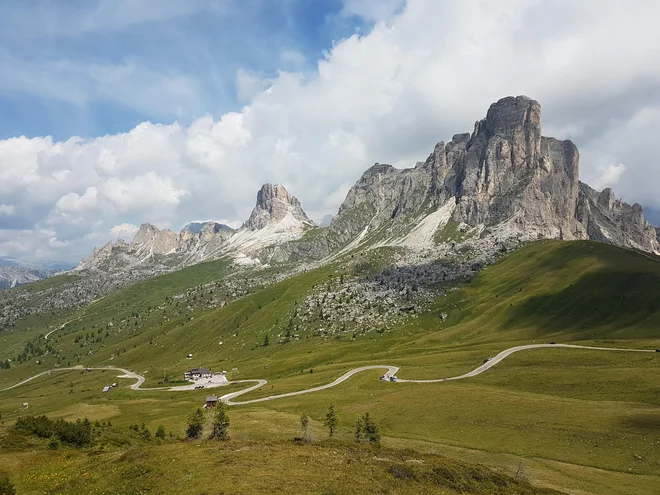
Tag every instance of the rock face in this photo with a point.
(275, 204)
(608, 219)
(503, 181)
(156, 250)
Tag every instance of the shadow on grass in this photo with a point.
(648, 422)
(598, 304)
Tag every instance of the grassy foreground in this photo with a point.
(212, 467)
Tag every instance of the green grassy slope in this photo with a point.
(572, 290)
(586, 420)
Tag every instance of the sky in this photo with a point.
(118, 112)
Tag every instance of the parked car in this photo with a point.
(394, 379)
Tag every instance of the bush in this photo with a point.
(6, 487)
(78, 433)
(54, 444)
(402, 472)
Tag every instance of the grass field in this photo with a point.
(577, 420)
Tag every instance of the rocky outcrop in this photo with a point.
(275, 204)
(608, 219)
(505, 181)
(156, 250)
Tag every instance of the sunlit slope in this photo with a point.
(548, 291)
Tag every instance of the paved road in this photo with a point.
(390, 371)
(227, 399)
(127, 374)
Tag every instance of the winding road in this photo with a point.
(390, 371)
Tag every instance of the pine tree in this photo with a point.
(266, 340)
(220, 429)
(304, 425)
(160, 432)
(331, 420)
(195, 423)
(359, 429)
(367, 430)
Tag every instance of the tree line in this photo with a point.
(366, 428)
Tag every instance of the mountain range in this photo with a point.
(504, 183)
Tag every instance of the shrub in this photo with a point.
(6, 487)
(331, 420)
(78, 433)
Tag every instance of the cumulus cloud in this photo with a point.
(73, 202)
(249, 84)
(609, 175)
(124, 231)
(389, 95)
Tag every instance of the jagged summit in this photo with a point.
(275, 204)
(504, 181)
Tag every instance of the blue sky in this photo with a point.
(201, 43)
(175, 111)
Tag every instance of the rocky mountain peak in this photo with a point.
(274, 204)
(214, 228)
(503, 181)
(145, 234)
(510, 115)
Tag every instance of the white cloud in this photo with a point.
(124, 231)
(609, 175)
(249, 84)
(74, 203)
(422, 75)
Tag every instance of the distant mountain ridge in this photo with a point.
(278, 217)
(13, 276)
